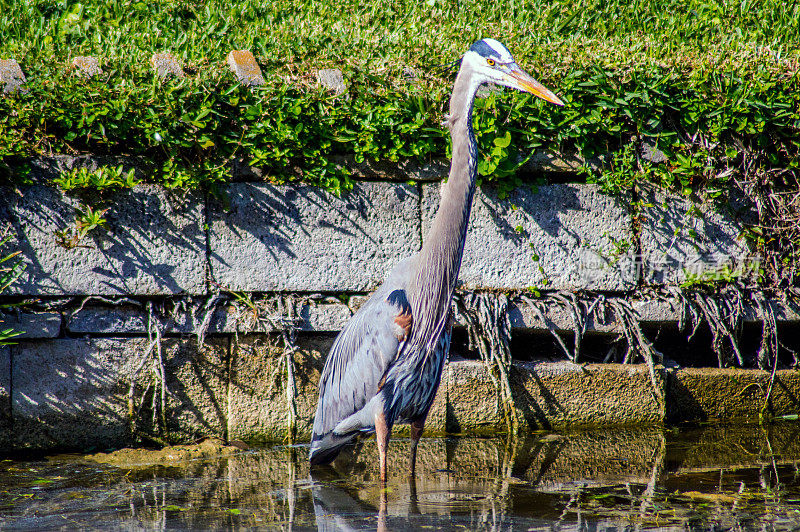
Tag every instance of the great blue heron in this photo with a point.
(386, 364)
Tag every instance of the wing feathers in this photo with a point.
(355, 370)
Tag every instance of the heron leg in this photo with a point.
(382, 433)
(417, 426)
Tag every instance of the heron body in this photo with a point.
(386, 364)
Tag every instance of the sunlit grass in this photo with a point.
(292, 38)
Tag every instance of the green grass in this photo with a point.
(291, 38)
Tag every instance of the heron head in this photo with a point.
(493, 63)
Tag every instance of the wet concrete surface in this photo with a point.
(715, 476)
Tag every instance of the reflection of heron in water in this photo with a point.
(386, 364)
(335, 509)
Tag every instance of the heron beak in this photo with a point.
(523, 81)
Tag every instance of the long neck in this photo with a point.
(440, 258)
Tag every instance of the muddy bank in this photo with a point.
(169, 456)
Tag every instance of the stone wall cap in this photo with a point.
(11, 76)
(332, 80)
(87, 66)
(244, 66)
(166, 64)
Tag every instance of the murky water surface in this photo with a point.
(722, 477)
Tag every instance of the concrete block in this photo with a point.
(679, 237)
(285, 238)
(128, 319)
(117, 320)
(76, 393)
(700, 394)
(32, 324)
(356, 301)
(331, 79)
(657, 310)
(650, 152)
(87, 66)
(560, 236)
(73, 393)
(11, 76)
(649, 311)
(197, 383)
(325, 318)
(331, 317)
(315, 317)
(226, 319)
(165, 64)
(153, 243)
(523, 317)
(245, 68)
(257, 392)
(553, 394)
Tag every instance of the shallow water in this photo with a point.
(722, 477)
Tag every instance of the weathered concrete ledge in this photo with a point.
(189, 315)
(269, 238)
(81, 393)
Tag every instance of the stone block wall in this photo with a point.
(270, 238)
(167, 323)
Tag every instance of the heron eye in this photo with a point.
(490, 62)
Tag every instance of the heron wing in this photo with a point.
(360, 357)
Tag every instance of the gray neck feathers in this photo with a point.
(439, 261)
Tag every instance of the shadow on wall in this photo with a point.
(552, 236)
(265, 237)
(152, 243)
(261, 237)
(272, 215)
(679, 237)
(545, 206)
(259, 384)
(91, 394)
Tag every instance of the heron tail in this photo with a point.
(326, 447)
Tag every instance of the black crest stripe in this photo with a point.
(483, 49)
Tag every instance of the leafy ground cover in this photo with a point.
(670, 71)
(714, 85)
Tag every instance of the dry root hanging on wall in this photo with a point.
(585, 308)
(277, 314)
(723, 312)
(489, 330)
